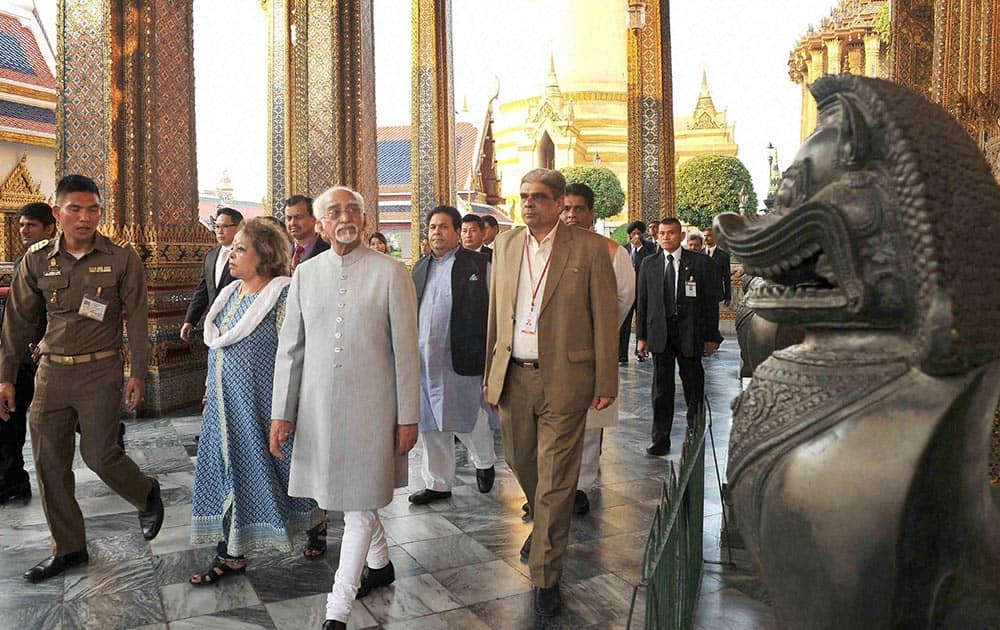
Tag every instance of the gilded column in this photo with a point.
(322, 95)
(125, 116)
(815, 69)
(833, 56)
(432, 131)
(872, 46)
(651, 171)
(911, 44)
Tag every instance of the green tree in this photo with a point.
(711, 184)
(608, 196)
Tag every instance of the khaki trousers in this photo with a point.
(91, 394)
(544, 450)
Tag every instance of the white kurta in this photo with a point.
(625, 288)
(347, 372)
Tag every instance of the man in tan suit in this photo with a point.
(552, 347)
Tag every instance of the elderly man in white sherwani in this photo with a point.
(454, 296)
(347, 383)
(578, 210)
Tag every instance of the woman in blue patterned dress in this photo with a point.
(241, 497)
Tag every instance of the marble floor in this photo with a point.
(457, 562)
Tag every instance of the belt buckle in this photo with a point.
(65, 360)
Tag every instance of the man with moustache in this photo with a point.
(215, 270)
(36, 224)
(551, 348)
(453, 297)
(351, 395)
(638, 249)
(87, 285)
(301, 226)
(578, 211)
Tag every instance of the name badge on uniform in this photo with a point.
(93, 308)
(690, 288)
(529, 324)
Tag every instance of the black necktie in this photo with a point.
(670, 287)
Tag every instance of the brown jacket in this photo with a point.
(577, 319)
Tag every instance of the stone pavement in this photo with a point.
(457, 562)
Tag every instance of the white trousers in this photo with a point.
(363, 542)
(438, 466)
(590, 463)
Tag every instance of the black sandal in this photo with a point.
(220, 568)
(316, 544)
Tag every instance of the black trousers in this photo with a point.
(13, 432)
(624, 334)
(692, 380)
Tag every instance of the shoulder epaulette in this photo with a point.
(39, 245)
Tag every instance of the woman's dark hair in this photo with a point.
(380, 236)
(271, 244)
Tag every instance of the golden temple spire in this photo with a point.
(704, 111)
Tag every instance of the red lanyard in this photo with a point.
(531, 277)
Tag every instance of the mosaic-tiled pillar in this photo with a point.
(652, 189)
(125, 116)
(432, 130)
(322, 100)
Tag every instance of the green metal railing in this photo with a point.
(671, 568)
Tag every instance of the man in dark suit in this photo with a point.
(35, 224)
(215, 270)
(491, 231)
(721, 259)
(638, 249)
(301, 226)
(453, 304)
(677, 319)
(473, 233)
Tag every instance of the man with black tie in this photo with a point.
(215, 271)
(721, 259)
(677, 319)
(638, 249)
(301, 226)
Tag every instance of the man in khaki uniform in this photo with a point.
(85, 283)
(552, 346)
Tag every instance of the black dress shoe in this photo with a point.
(54, 565)
(581, 504)
(374, 578)
(429, 496)
(526, 549)
(151, 519)
(485, 477)
(18, 491)
(547, 601)
(658, 448)
(333, 624)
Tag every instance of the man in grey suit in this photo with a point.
(215, 271)
(351, 395)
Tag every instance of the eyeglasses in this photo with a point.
(336, 214)
(223, 226)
